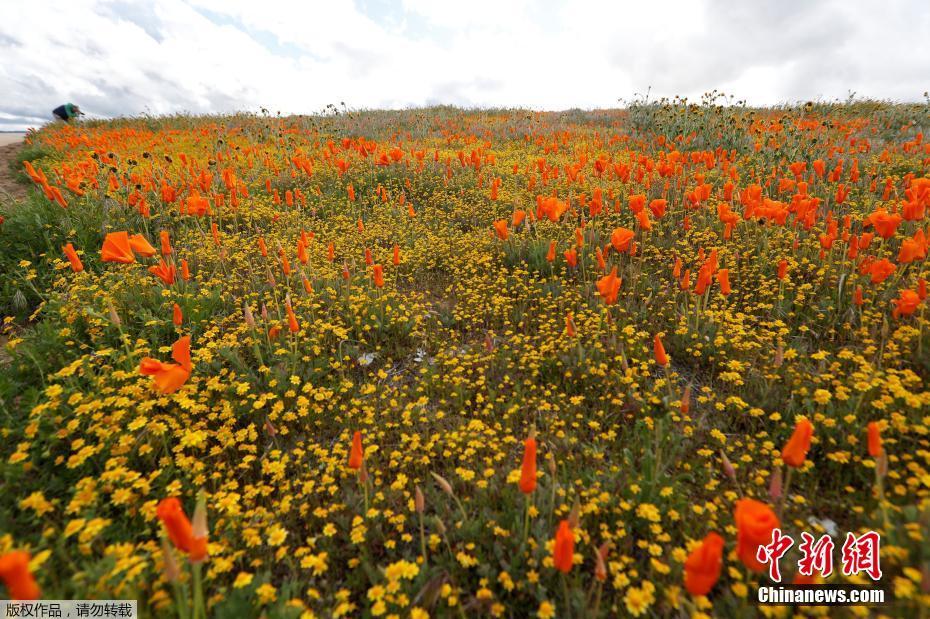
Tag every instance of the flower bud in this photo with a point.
(418, 500)
(172, 571)
(445, 485)
(199, 522)
(881, 464)
(686, 400)
(600, 562)
(574, 518)
(775, 486)
(114, 317)
(727, 466)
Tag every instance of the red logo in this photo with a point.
(774, 551)
(858, 554)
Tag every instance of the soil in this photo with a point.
(9, 186)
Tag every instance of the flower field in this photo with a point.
(460, 363)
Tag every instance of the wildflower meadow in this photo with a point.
(458, 363)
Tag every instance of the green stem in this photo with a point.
(784, 493)
(526, 518)
(365, 492)
(422, 539)
(880, 491)
(180, 600)
(199, 609)
(597, 600)
(568, 599)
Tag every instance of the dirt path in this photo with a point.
(10, 143)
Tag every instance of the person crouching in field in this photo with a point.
(67, 112)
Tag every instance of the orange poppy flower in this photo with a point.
(164, 272)
(782, 268)
(177, 315)
(179, 529)
(528, 470)
(500, 226)
(885, 223)
(35, 176)
(356, 454)
(569, 325)
(658, 207)
(795, 451)
(913, 248)
(571, 257)
(608, 286)
(116, 248)
(551, 207)
(165, 243)
(601, 263)
(874, 433)
(15, 574)
(141, 246)
(702, 567)
(754, 523)
(76, 265)
(563, 552)
(169, 377)
(880, 270)
(621, 238)
(659, 350)
(292, 325)
(723, 278)
(550, 255)
(377, 273)
(906, 304)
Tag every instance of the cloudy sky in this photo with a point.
(125, 57)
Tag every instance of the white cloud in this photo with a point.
(122, 57)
